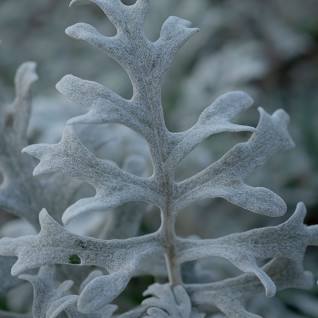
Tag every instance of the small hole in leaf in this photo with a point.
(74, 260)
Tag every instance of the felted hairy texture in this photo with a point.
(51, 298)
(20, 193)
(15, 194)
(162, 253)
(167, 301)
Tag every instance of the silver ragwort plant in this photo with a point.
(270, 258)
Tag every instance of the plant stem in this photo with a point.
(173, 267)
(169, 237)
(150, 94)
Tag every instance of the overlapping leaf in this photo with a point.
(113, 185)
(15, 194)
(51, 298)
(55, 245)
(231, 295)
(167, 301)
(288, 240)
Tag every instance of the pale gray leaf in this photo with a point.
(174, 34)
(101, 291)
(231, 295)
(167, 301)
(60, 305)
(224, 178)
(50, 297)
(26, 75)
(55, 245)
(215, 119)
(288, 240)
(113, 185)
(16, 196)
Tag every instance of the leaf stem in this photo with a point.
(151, 96)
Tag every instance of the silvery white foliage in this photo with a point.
(146, 62)
(16, 195)
(239, 58)
(20, 193)
(125, 221)
(111, 182)
(121, 258)
(168, 301)
(48, 118)
(292, 239)
(131, 153)
(224, 178)
(51, 298)
(231, 295)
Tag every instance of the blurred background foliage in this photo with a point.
(267, 48)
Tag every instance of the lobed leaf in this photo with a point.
(224, 178)
(146, 62)
(231, 295)
(55, 245)
(105, 105)
(113, 185)
(288, 240)
(101, 291)
(19, 193)
(50, 297)
(175, 32)
(215, 119)
(167, 301)
(26, 75)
